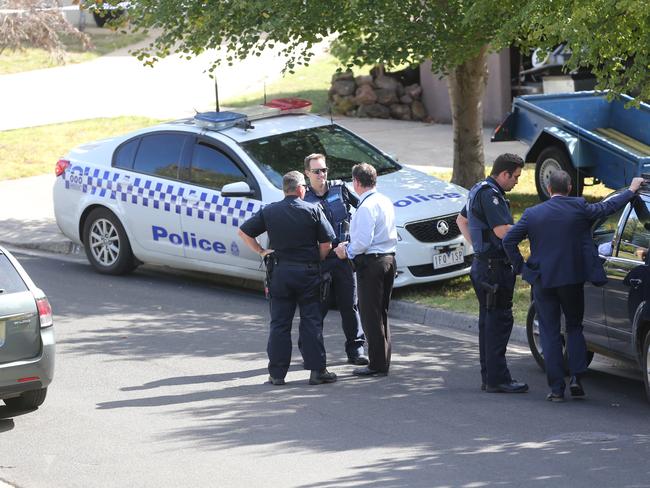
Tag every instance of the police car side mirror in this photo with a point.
(238, 189)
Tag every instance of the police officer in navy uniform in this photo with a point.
(335, 199)
(299, 239)
(484, 221)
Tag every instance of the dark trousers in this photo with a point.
(344, 291)
(375, 276)
(291, 286)
(494, 322)
(550, 304)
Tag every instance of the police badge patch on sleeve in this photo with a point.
(495, 200)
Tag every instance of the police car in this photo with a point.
(175, 194)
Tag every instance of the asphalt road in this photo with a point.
(160, 382)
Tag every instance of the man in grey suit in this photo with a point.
(563, 257)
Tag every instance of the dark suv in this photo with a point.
(617, 315)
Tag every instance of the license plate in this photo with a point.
(445, 259)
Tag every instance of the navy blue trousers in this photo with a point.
(494, 324)
(550, 304)
(344, 291)
(291, 286)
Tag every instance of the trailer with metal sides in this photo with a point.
(595, 140)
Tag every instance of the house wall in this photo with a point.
(496, 102)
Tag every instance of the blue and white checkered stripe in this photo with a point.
(166, 197)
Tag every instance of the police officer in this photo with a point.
(484, 222)
(335, 200)
(299, 238)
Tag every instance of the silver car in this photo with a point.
(26, 337)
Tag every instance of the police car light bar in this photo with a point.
(242, 118)
(220, 120)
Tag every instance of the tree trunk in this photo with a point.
(467, 84)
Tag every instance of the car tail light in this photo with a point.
(61, 166)
(44, 312)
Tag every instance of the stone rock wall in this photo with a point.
(377, 95)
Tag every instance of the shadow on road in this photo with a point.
(426, 424)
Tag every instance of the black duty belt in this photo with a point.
(492, 261)
(303, 264)
(379, 254)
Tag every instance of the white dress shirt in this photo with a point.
(372, 229)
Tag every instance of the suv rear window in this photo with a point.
(10, 280)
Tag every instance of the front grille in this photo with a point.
(427, 230)
(424, 270)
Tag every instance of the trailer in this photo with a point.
(593, 139)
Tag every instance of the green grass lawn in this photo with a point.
(458, 294)
(104, 40)
(35, 150)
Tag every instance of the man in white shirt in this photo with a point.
(373, 240)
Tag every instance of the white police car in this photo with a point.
(175, 194)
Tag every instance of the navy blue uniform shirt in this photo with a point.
(493, 209)
(295, 229)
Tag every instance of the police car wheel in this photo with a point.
(552, 159)
(535, 344)
(106, 244)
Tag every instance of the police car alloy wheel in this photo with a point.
(106, 244)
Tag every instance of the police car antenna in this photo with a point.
(216, 94)
(329, 106)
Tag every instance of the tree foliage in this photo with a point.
(611, 37)
(36, 23)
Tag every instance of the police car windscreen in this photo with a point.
(277, 155)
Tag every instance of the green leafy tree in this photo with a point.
(457, 35)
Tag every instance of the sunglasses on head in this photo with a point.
(318, 170)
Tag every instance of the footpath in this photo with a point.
(26, 211)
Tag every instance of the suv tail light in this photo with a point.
(44, 312)
(61, 166)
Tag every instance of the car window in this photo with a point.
(10, 280)
(605, 231)
(125, 154)
(635, 238)
(160, 154)
(277, 155)
(212, 168)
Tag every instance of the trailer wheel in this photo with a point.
(552, 159)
